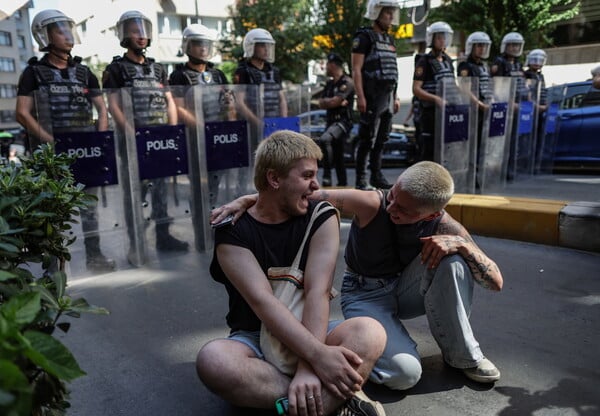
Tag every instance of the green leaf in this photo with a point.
(4, 275)
(23, 307)
(51, 355)
(60, 280)
(12, 377)
(9, 247)
(46, 295)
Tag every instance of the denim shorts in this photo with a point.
(252, 338)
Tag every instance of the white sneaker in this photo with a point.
(484, 372)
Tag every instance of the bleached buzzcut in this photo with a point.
(429, 183)
(279, 152)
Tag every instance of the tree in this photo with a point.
(338, 21)
(534, 19)
(291, 24)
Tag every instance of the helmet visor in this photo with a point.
(62, 32)
(136, 28)
(200, 48)
(536, 60)
(481, 50)
(264, 51)
(438, 37)
(514, 49)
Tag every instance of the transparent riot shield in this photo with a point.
(153, 168)
(495, 136)
(522, 155)
(71, 119)
(544, 161)
(297, 101)
(456, 130)
(222, 126)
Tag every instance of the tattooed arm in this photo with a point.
(452, 238)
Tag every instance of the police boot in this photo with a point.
(95, 260)
(361, 167)
(166, 242)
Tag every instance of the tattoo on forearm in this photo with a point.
(480, 270)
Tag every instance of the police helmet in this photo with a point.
(439, 27)
(261, 36)
(514, 38)
(374, 9)
(536, 57)
(133, 20)
(199, 34)
(481, 38)
(47, 19)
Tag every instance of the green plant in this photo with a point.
(38, 203)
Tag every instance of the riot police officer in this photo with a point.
(338, 99)
(375, 76)
(198, 43)
(152, 105)
(431, 68)
(507, 64)
(534, 62)
(477, 49)
(257, 68)
(73, 92)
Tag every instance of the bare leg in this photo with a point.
(231, 370)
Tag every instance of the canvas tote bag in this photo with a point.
(288, 286)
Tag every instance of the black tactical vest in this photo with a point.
(380, 63)
(514, 69)
(147, 91)
(342, 113)
(440, 70)
(68, 105)
(210, 98)
(481, 71)
(268, 78)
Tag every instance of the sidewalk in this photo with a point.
(541, 331)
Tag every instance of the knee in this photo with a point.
(368, 336)
(455, 267)
(403, 372)
(208, 364)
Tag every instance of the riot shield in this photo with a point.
(544, 161)
(456, 130)
(153, 169)
(297, 102)
(222, 129)
(73, 126)
(522, 155)
(495, 136)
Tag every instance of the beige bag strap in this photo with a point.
(315, 214)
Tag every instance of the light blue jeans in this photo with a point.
(444, 294)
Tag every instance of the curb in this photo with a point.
(542, 221)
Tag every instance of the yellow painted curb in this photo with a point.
(523, 219)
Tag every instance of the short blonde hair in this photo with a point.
(279, 152)
(429, 183)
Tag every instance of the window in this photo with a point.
(8, 91)
(21, 42)
(169, 25)
(5, 38)
(7, 65)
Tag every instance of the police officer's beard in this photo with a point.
(63, 55)
(380, 26)
(196, 61)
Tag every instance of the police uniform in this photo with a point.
(339, 125)
(478, 69)
(430, 71)
(211, 105)
(69, 109)
(247, 73)
(502, 67)
(148, 84)
(380, 79)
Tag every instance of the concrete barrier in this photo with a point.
(543, 221)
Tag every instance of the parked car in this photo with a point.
(577, 142)
(400, 149)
